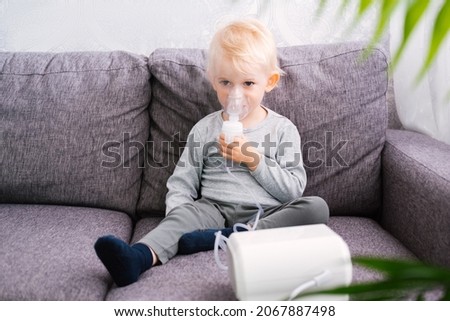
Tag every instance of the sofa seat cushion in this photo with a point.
(365, 237)
(74, 126)
(197, 277)
(337, 102)
(47, 252)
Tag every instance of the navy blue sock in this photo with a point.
(201, 240)
(124, 262)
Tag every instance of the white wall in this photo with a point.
(422, 106)
(142, 25)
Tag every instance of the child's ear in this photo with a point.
(272, 81)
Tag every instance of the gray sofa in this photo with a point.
(89, 139)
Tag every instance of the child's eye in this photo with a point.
(224, 82)
(248, 83)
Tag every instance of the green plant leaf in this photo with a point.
(404, 279)
(414, 14)
(440, 31)
(364, 5)
(381, 290)
(446, 296)
(320, 8)
(387, 8)
(406, 270)
(342, 7)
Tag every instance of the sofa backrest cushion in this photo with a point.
(181, 95)
(336, 100)
(73, 127)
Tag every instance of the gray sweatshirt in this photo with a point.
(200, 172)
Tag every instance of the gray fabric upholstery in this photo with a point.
(73, 128)
(47, 252)
(337, 101)
(365, 237)
(197, 277)
(416, 194)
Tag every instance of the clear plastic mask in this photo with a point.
(237, 106)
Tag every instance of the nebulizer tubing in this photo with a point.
(235, 108)
(318, 280)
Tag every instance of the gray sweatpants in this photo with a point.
(204, 214)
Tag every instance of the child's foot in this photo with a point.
(201, 240)
(124, 262)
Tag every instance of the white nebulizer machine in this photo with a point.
(279, 263)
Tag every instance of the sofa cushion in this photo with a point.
(337, 101)
(47, 252)
(73, 128)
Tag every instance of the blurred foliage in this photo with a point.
(403, 280)
(415, 12)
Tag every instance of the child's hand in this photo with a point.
(240, 151)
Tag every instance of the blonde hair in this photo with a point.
(245, 42)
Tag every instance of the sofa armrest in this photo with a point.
(416, 194)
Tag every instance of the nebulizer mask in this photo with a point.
(236, 108)
(278, 263)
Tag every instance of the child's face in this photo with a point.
(254, 84)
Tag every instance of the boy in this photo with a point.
(202, 197)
